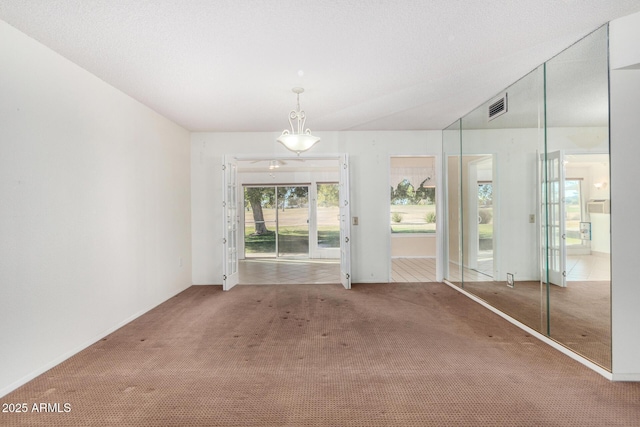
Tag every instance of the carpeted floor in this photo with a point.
(580, 314)
(318, 355)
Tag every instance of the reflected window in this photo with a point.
(573, 211)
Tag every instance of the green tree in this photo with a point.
(403, 194)
(485, 194)
(428, 194)
(292, 196)
(257, 197)
(329, 195)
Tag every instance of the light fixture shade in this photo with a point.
(297, 140)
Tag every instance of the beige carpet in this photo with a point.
(319, 355)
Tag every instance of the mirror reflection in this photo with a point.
(500, 195)
(578, 137)
(528, 200)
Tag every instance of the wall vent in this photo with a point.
(498, 107)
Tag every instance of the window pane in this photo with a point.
(328, 216)
(412, 195)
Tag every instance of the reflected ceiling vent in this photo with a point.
(498, 107)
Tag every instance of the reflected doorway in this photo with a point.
(587, 218)
(484, 254)
(412, 219)
(481, 192)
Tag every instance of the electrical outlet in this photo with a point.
(510, 282)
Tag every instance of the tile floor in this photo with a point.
(270, 271)
(588, 268)
(275, 271)
(455, 275)
(413, 270)
(305, 271)
(580, 268)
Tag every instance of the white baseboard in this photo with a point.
(626, 377)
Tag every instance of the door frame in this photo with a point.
(441, 241)
(340, 160)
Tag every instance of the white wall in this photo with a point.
(369, 161)
(625, 205)
(94, 208)
(623, 43)
(413, 246)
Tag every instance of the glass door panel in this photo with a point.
(555, 207)
(293, 221)
(328, 216)
(573, 211)
(484, 253)
(345, 223)
(230, 224)
(259, 222)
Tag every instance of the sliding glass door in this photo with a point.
(276, 221)
(292, 221)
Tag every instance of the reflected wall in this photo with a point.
(527, 200)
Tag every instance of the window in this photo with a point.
(413, 195)
(328, 215)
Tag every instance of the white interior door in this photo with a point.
(230, 223)
(555, 238)
(345, 223)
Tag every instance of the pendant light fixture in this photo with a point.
(300, 139)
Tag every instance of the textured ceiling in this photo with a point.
(229, 65)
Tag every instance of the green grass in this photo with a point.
(413, 228)
(485, 231)
(291, 240)
(263, 243)
(329, 237)
(412, 219)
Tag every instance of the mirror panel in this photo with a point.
(453, 238)
(528, 201)
(500, 163)
(577, 136)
